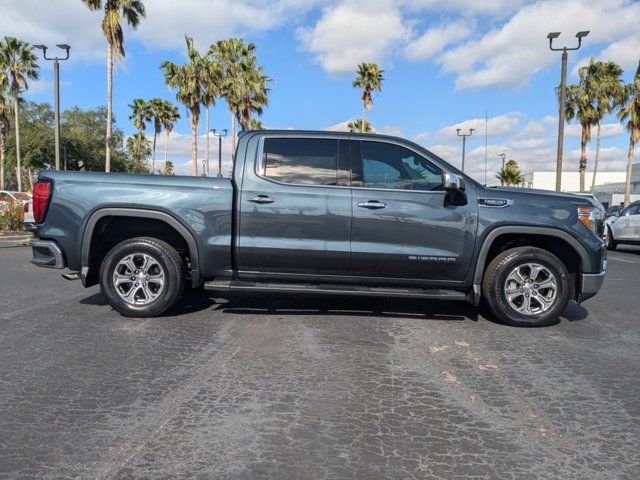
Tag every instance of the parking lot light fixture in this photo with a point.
(464, 141)
(219, 135)
(563, 95)
(56, 91)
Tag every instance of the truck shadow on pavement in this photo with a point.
(197, 301)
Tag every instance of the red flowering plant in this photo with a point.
(11, 216)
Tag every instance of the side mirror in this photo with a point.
(453, 182)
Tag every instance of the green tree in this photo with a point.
(115, 11)
(168, 168)
(189, 82)
(156, 106)
(369, 78)
(212, 83)
(5, 112)
(604, 83)
(256, 125)
(235, 59)
(18, 65)
(139, 148)
(356, 126)
(630, 113)
(510, 174)
(168, 115)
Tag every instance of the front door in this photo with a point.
(403, 223)
(295, 209)
(627, 225)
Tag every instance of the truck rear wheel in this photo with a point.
(142, 277)
(526, 287)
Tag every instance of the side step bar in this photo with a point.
(305, 288)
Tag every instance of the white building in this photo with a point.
(571, 180)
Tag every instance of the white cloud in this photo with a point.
(574, 129)
(351, 32)
(338, 127)
(511, 54)
(485, 7)
(434, 40)
(496, 127)
(421, 137)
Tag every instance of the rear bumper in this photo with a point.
(590, 284)
(47, 253)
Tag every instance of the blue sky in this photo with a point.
(446, 64)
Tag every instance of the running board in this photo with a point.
(306, 288)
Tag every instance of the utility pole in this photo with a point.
(464, 142)
(56, 92)
(563, 97)
(503, 156)
(220, 135)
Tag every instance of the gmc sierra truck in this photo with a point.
(326, 213)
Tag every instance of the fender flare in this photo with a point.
(549, 232)
(140, 213)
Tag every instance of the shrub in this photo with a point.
(12, 217)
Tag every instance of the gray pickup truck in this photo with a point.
(327, 213)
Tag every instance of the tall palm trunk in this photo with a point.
(583, 158)
(233, 137)
(194, 145)
(153, 156)
(206, 156)
(595, 165)
(627, 186)
(107, 161)
(2, 160)
(364, 118)
(18, 160)
(166, 149)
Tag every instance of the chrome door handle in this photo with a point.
(372, 205)
(261, 199)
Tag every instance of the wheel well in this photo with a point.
(111, 230)
(557, 246)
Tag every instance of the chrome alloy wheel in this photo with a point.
(138, 279)
(531, 289)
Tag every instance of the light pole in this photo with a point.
(464, 142)
(219, 135)
(563, 96)
(56, 92)
(502, 156)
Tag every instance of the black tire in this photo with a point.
(168, 264)
(611, 242)
(494, 284)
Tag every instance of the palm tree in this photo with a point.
(256, 125)
(139, 147)
(169, 115)
(212, 90)
(251, 94)
(18, 65)
(630, 112)
(580, 105)
(603, 82)
(141, 113)
(156, 106)
(131, 11)
(356, 126)
(5, 109)
(234, 58)
(510, 174)
(188, 80)
(369, 78)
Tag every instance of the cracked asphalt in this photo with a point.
(293, 387)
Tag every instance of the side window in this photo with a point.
(631, 210)
(301, 161)
(386, 165)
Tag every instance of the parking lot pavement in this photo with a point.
(290, 387)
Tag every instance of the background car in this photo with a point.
(23, 199)
(611, 211)
(624, 227)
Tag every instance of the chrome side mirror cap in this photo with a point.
(452, 181)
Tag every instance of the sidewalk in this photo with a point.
(14, 239)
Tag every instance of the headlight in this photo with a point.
(591, 217)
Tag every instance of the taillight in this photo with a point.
(41, 197)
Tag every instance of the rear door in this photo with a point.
(295, 208)
(624, 227)
(403, 224)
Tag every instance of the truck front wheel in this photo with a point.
(527, 286)
(142, 277)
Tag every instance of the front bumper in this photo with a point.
(47, 253)
(590, 284)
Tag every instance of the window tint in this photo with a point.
(301, 160)
(631, 210)
(392, 166)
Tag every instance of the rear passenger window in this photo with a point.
(385, 165)
(301, 161)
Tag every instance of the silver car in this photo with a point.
(624, 226)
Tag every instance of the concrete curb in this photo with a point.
(14, 240)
